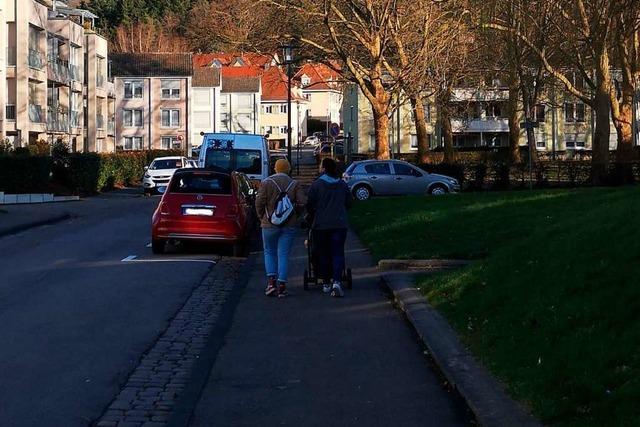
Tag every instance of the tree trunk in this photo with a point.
(447, 133)
(602, 109)
(624, 129)
(514, 122)
(381, 125)
(421, 129)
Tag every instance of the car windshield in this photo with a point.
(200, 183)
(166, 164)
(246, 161)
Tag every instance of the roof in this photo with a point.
(151, 64)
(206, 77)
(240, 84)
(231, 58)
(322, 77)
(274, 86)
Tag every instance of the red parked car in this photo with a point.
(205, 205)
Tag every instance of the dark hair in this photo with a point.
(330, 167)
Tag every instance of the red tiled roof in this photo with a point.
(322, 77)
(206, 77)
(274, 86)
(241, 71)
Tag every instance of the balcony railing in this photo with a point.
(57, 120)
(10, 113)
(58, 70)
(111, 126)
(74, 73)
(100, 80)
(35, 113)
(74, 119)
(100, 122)
(35, 59)
(11, 56)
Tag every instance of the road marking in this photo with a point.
(129, 258)
(148, 245)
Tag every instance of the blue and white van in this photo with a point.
(239, 152)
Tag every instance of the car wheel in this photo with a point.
(438, 190)
(362, 192)
(157, 246)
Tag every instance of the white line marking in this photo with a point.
(148, 245)
(129, 258)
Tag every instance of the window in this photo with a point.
(541, 144)
(414, 142)
(574, 112)
(133, 143)
(427, 112)
(372, 143)
(169, 142)
(305, 80)
(268, 109)
(283, 130)
(405, 170)
(378, 169)
(283, 108)
(133, 89)
(170, 89)
(170, 118)
(245, 101)
(132, 118)
(201, 183)
(539, 112)
(201, 97)
(493, 110)
(224, 122)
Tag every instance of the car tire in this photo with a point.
(362, 192)
(438, 190)
(157, 246)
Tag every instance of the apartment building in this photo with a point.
(240, 100)
(322, 87)
(153, 100)
(56, 70)
(205, 102)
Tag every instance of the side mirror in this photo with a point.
(146, 168)
(162, 189)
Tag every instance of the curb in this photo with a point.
(420, 264)
(27, 226)
(483, 394)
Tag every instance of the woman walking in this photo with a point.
(279, 202)
(329, 199)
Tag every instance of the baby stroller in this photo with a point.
(311, 273)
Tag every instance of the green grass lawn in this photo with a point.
(551, 304)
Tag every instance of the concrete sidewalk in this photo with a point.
(311, 359)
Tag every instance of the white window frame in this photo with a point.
(413, 141)
(573, 118)
(172, 140)
(133, 123)
(268, 109)
(171, 93)
(282, 130)
(133, 84)
(131, 140)
(283, 108)
(171, 117)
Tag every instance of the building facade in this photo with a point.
(322, 87)
(57, 87)
(205, 102)
(153, 100)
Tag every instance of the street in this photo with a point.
(74, 318)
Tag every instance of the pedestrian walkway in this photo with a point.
(314, 360)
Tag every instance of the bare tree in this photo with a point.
(149, 36)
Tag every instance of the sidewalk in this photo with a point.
(315, 360)
(17, 218)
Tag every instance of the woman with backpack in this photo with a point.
(329, 199)
(279, 202)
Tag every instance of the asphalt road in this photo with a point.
(74, 318)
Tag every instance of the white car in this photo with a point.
(160, 171)
(311, 141)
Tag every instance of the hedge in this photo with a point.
(20, 174)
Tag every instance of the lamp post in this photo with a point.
(287, 54)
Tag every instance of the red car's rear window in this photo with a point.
(201, 183)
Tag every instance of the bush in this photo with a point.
(450, 169)
(501, 170)
(479, 176)
(22, 174)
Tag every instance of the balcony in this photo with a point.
(57, 120)
(111, 126)
(35, 59)
(100, 79)
(100, 122)
(476, 125)
(74, 119)
(35, 113)
(10, 113)
(74, 73)
(58, 70)
(11, 56)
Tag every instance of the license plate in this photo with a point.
(197, 211)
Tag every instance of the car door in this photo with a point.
(380, 178)
(407, 179)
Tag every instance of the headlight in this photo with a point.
(453, 181)
(146, 175)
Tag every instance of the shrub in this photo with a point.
(24, 174)
(479, 171)
(450, 169)
(501, 170)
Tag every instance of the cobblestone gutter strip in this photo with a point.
(485, 396)
(153, 390)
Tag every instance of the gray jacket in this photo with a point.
(327, 203)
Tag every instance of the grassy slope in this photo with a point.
(552, 306)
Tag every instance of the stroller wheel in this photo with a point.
(305, 284)
(349, 279)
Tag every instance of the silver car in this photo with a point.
(395, 177)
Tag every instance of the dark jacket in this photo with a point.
(327, 203)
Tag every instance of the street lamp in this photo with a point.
(287, 56)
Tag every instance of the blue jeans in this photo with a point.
(329, 248)
(277, 242)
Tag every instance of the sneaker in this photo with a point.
(282, 290)
(326, 287)
(337, 291)
(271, 289)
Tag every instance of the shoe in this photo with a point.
(271, 289)
(282, 290)
(337, 291)
(326, 288)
